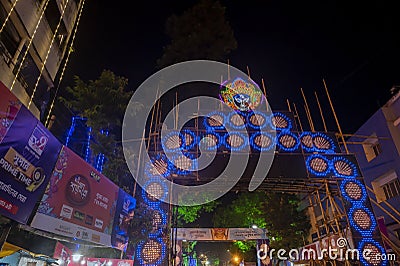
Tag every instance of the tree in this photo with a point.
(279, 213)
(201, 32)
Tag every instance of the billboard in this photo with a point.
(28, 153)
(79, 201)
(9, 107)
(220, 234)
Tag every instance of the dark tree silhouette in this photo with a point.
(202, 32)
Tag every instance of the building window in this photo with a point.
(372, 148)
(391, 189)
(377, 148)
(386, 186)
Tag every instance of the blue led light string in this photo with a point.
(156, 236)
(70, 131)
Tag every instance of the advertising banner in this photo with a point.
(220, 234)
(28, 153)
(79, 202)
(62, 254)
(123, 215)
(108, 262)
(9, 107)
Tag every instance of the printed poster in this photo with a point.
(79, 201)
(28, 153)
(123, 216)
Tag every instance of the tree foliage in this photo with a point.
(202, 32)
(189, 214)
(277, 212)
(103, 102)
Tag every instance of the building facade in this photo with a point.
(377, 147)
(34, 38)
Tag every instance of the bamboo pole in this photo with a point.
(387, 203)
(307, 110)
(308, 118)
(288, 104)
(265, 93)
(320, 111)
(229, 72)
(334, 115)
(298, 117)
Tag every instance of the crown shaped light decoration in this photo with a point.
(241, 95)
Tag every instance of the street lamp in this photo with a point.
(203, 259)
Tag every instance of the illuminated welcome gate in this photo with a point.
(217, 234)
(307, 162)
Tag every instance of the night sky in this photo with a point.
(291, 44)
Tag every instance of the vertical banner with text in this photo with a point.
(28, 153)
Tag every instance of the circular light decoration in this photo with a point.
(184, 164)
(323, 143)
(214, 120)
(151, 252)
(362, 219)
(153, 191)
(189, 139)
(374, 252)
(211, 141)
(257, 120)
(172, 142)
(353, 191)
(235, 141)
(241, 95)
(262, 141)
(343, 167)
(237, 120)
(318, 165)
(280, 121)
(306, 140)
(159, 166)
(287, 141)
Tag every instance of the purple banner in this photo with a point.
(28, 153)
(123, 215)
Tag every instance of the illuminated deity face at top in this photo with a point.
(242, 101)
